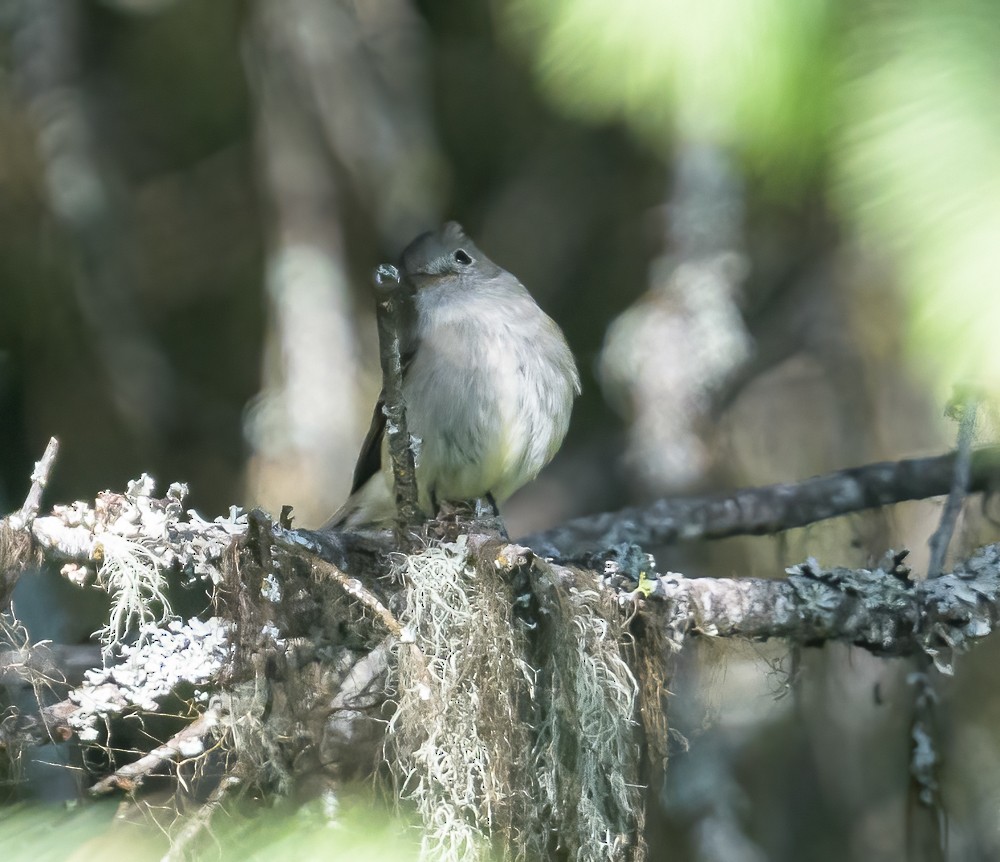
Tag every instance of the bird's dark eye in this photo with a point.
(462, 257)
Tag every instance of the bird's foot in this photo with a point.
(454, 518)
(487, 513)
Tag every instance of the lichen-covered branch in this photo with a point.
(392, 313)
(191, 654)
(39, 479)
(184, 541)
(881, 610)
(768, 509)
(494, 657)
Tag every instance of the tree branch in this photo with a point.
(392, 312)
(174, 538)
(961, 474)
(880, 610)
(188, 742)
(356, 590)
(200, 821)
(39, 479)
(15, 538)
(767, 509)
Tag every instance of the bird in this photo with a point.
(488, 385)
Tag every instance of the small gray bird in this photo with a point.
(488, 383)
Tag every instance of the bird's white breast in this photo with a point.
(489, 395)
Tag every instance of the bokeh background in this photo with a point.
(769, 228)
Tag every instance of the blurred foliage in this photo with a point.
(352, 832)
(897, 99)
(753, 74)
(918, 165)
(44, 833)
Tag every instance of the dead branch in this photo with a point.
(200, 822)
(393, 310)
(15, 540)
(354, 588)
(164, 659)
(880, 610)
(959, 488)
(39, 479)
(308, 656)
(189, 742)
(177, 540)
(767, 509)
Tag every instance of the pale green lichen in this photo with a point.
(131, 574)
(511, 743)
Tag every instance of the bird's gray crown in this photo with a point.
(445, 252)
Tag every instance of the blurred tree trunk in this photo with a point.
(87, 195)
(341, 118)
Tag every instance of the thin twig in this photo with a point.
(961, 475)
(392, 310)
(768, 509)
(927, 817)
(188, 742)
(39, 479)
(200, 820)
(57, 663)
(357, 590)
(354, 588)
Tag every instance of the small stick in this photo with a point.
(200, 821)
(927, 817)
(353, 587)
(39, 479)
(960, 482)
(188, 742)
(391, 311)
